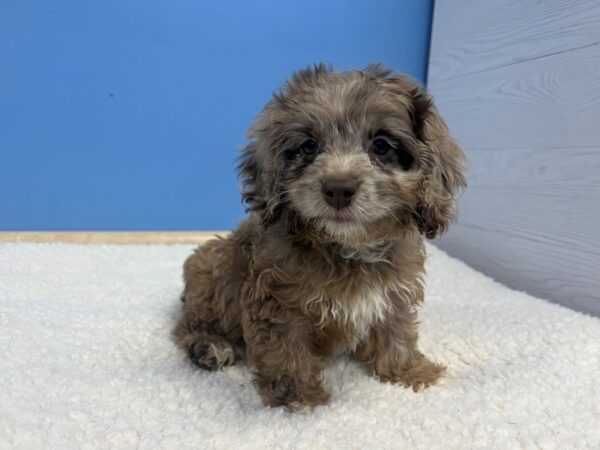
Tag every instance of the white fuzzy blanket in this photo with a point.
(86, 361)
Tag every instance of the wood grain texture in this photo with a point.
(549, 102)
(557, 274)
(487, 34)
(519, 85)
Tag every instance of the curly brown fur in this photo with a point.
(344, 172)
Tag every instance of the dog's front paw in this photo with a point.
(417, 374)
(290, 393)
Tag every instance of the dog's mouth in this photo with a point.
(341, 218)
(343, 224)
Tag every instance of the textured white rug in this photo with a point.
(86, 361)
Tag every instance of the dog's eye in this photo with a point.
(381, 146)
(309, 147)
(391, 151)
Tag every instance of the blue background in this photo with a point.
(129, 114)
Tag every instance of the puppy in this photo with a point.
(343, 175)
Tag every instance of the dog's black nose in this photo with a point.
(339, 193)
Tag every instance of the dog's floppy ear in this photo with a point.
(442, 158)
(256, 169)
(250, 174)
(444, 166)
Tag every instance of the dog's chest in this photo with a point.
(361, 311)
(346, 322)
(352, 297)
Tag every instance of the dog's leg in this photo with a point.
(197, 334)
(209, 328)
(391, 352)
(288, 373)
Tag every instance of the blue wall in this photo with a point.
(129, 114)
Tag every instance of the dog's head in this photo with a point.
(352, 155)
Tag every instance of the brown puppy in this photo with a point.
(343, 174)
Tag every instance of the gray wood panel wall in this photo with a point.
(518, 82)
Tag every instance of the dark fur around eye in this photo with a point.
(307, 148)
(390, 152)
(298, 157)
